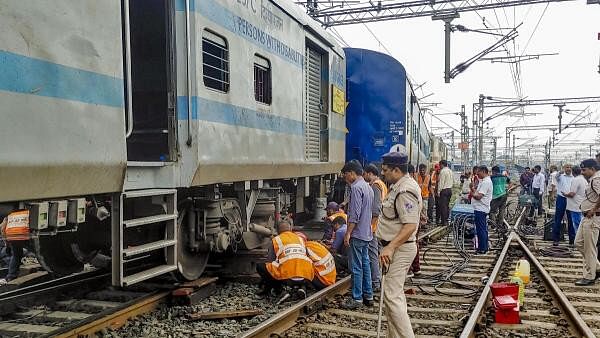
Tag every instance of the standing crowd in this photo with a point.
(372, 234)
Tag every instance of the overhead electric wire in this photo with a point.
(535, 29)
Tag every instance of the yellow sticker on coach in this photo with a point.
(338, 104)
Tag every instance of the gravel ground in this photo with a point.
(172, 322)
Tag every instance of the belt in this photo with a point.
(385, 243)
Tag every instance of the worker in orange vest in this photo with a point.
(323, 265)
(15, 231)
(287, 260)
(333, 211)
(379, 192)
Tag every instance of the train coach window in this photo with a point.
(262, 80)
(215, 61)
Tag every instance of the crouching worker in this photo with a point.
(15, 229)
(340, 254)
(287, 260)
(323, 265)
(333, 211)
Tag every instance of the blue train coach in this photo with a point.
(383, 112)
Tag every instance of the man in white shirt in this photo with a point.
(563, 184)
(539, 181)
(444, 191)
(482, 197)
(575, 196)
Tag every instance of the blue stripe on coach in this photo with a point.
(23, 74)
(214, 111)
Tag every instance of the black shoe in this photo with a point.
(585, 282)
(555, 243)
(368, 302)
(479, 252)
(597, 274)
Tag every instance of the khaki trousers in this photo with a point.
(394, 298)
(586, 242)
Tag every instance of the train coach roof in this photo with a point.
(296, 12)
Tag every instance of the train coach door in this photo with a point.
(149, 61)
(316, 111)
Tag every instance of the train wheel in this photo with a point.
(55, 255)
(190, 264)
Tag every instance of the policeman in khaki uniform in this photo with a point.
(397, 229)
(586, 239)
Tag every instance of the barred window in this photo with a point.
(262, 80)
(215, 61)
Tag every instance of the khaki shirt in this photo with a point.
(408, 203)
(591, 193)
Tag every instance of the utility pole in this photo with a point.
(452, 145)
(475, 129)
(513, 150)
(560, 112)
(480, 118)
(464, 138)
(495, 140)
(447, 31)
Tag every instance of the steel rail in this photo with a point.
(564, 302)
(287, 318)
(112, 318)
(469, 329)
(479, 309)
(11, 300)
(433, 232)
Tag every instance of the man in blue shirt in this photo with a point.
(359, 234)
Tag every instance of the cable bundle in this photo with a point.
(462, 227)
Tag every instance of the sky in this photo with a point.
(569, 28)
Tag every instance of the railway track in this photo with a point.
(565, 271)
(450, 298)
(460, 306)
(74, 306)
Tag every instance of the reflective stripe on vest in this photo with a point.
(323, 262)
(17, 226)
(291, 261)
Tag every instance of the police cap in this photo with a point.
(395, 158)
(589, 163)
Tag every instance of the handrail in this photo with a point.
(188, 47)
(129, 90)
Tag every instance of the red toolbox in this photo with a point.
(507, 310)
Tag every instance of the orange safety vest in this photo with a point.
(384, 191)
(424, 184)
(17, 226)
(291, 261)
(340, 213)
(323, 262)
